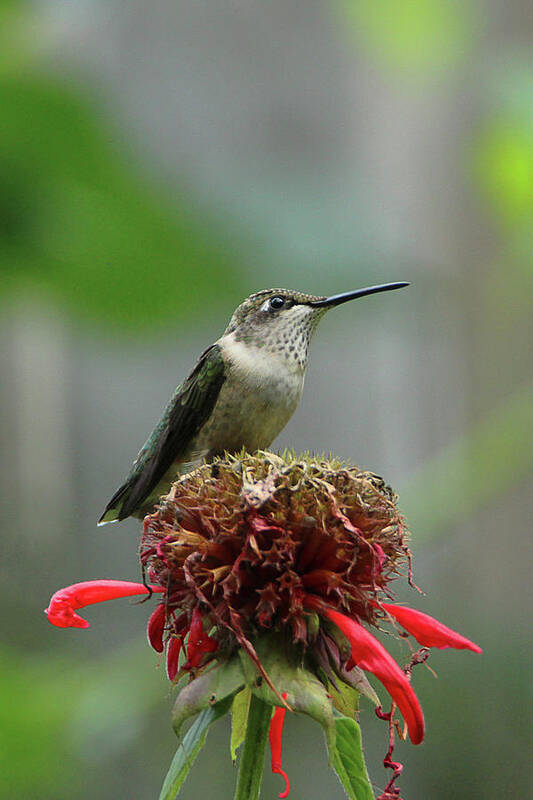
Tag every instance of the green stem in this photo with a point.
(253, 753)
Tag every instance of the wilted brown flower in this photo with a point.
(269, 568)
(248, 537)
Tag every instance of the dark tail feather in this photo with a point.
(114, 509)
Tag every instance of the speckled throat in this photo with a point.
(286, 335)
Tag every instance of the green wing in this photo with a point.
(188, 409)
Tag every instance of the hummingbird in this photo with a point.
(241, 393)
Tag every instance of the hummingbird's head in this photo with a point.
(283, 321)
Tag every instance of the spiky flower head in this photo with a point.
(248, 537)
(270, 570)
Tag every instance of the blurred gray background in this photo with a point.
(158, 163)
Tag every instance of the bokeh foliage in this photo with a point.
(413, 35)
(80, 224)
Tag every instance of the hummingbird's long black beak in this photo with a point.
(337, 299)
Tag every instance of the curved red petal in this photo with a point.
(370, 654)
(285, 792)
(61, 614)
(428, 631)
(173, 654)
(199, 643)
(156, 626)
(275, 734)
(65, 602)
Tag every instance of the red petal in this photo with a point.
(428, 631)
(199, 643)
(64, 603)
(173, 654)
(156, 626)
(274, 736)
(370, 654)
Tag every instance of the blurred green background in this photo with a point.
(159, 162)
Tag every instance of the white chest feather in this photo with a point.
(260, 394)
(272, 374)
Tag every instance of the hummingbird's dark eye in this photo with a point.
(276, 303)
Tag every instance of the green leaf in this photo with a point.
(348, 761)
(209, 689)
(189, 748)
(253, 755)
(239, 719)
(344, 698)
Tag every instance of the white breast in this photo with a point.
(272, 373)
(259, 396)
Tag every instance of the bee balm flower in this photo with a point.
(272, 572)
